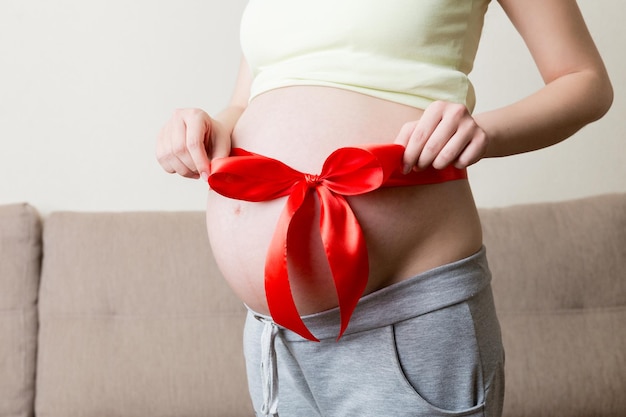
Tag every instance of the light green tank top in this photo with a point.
(412, 52)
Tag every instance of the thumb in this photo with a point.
(220, 148)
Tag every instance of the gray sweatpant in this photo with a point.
(429, 346)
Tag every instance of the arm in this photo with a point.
(191, 138)
(577, 91)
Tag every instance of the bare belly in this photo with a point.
(408, 229)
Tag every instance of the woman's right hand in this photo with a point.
(189, 141)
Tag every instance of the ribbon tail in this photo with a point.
(346, 252)
(278, 293)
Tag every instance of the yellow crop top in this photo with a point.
(412, 52)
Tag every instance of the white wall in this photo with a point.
(591, 162)
(85, 85)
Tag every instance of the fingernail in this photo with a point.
(204, 176)
(406, 169)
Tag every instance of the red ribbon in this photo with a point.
(346, 172)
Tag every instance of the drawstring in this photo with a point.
(269, 370)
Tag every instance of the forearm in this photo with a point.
(577, 91)
(228, 117)
(548, 116)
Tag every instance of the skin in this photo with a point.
(435, 224)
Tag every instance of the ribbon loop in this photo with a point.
(346, 172)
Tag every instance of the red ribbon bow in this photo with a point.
(346, 172)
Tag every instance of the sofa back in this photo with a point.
(135, 319)
(560, 289)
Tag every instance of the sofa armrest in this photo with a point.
(20, 257)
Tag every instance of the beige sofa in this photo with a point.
(125, 314)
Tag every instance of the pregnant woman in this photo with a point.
(340, 211)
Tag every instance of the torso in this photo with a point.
(408, 229)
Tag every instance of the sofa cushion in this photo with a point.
(561, 297)
(136, 320)
(20, 255)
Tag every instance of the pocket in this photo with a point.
(438, 356)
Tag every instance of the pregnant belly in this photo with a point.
(407, 229)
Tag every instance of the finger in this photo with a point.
(454, 146)
(452, 119)
(198, 132)
(167, 167)
(162, 150)
(173, 166)
(180, 167)
(426, 127)
(170, 152)
(404, 136)
(449, 153)
(438, 139)
(473, 152)
(220, 149)
(166, 155)
(179, 156)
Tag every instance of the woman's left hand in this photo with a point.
(446, 134)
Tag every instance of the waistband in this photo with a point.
(429, 291)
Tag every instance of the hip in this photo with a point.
(434, 339)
